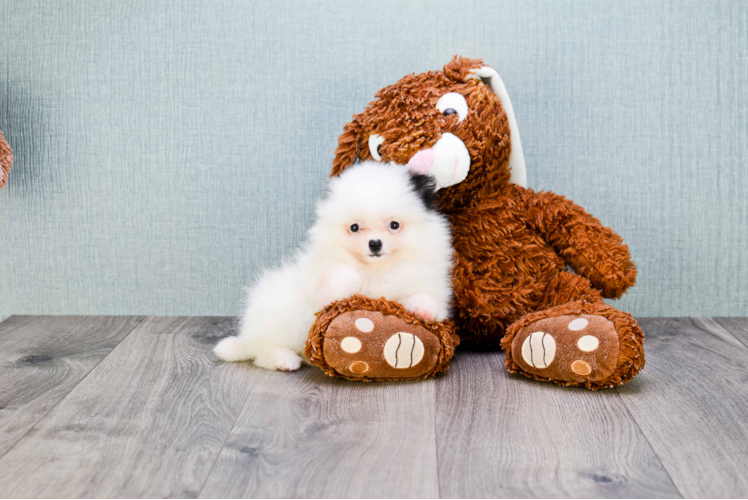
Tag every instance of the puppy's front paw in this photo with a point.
(279, 359)
(424, 306)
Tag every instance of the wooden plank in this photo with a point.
(738, 327)
(501, 435)
(691, 401)
(42, 358)
(148, 421)
(308, 435)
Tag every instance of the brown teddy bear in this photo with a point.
(6, 161)
(512, 245)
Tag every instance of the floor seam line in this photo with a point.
(143, 318)
(729, 331)
(649, 443)
(436, 447)
(223, 445)
(646, 438)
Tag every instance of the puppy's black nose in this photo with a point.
(375, 245)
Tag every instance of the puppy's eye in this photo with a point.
(354, 228)
(375, 144)
(394, 225)
(453, 103)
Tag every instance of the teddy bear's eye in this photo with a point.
(375, 144)
(453, 103)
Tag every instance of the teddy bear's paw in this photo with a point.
(367, 339)
(368, 344)
(568, 348)
(578, 349)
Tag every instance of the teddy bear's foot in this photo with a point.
(585, 344)
(373, 339)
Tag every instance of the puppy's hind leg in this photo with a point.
(274, 325)
(278, 358)
(274, 358)
(233, 349)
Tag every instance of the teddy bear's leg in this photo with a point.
(374, 339)
(576, 340)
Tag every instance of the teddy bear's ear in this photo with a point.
(491, 77)
(6, 161)
(347, 150)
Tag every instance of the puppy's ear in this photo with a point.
(349, 143)
(425, 187)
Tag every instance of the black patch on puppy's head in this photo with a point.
(425, 187)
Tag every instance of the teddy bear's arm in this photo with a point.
(591, 249)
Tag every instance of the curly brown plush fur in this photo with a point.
(6, 161)
(513, 244)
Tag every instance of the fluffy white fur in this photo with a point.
(413, 266)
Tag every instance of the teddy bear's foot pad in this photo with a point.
(588, 344)
(568, 348)
(368, 344)
(373, 339)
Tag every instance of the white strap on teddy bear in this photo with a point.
(516, 157)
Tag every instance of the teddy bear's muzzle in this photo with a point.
(448, 161)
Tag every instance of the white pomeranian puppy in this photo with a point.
(378, 234)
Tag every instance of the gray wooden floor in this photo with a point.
(139, 407)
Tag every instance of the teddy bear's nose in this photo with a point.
(422, 162)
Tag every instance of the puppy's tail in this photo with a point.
(233, 349)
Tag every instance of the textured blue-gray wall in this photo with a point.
(166, 151)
